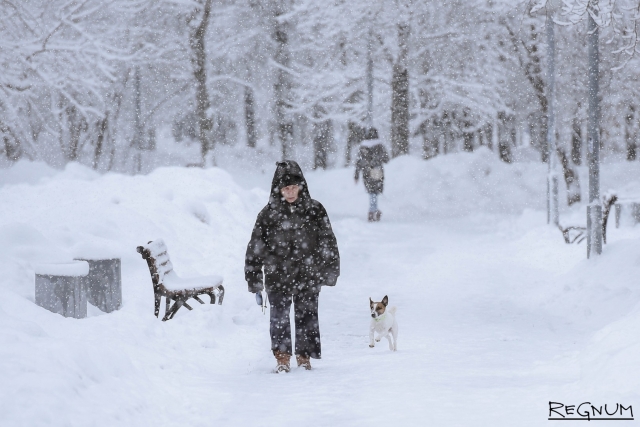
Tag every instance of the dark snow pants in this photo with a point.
(305, 309)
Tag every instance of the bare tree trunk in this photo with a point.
(250, 117)
(506, 136)
(118, 96)
(369, 79)
(467, 141)
(101, 126)
(302, 126)
(571, 178)
(400, 96)
(77, 124)
(538, 133)
(138, 126)
(12, 148)
(199, 61)
(445, 129)
(355, 136)
(630, 134)
(576, 142)
(430, 146)
(532, 64)
(137, 119)
(485, 136)
(322, 141)
(282, 87)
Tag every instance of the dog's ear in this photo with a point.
(385, 301)
(370, 302)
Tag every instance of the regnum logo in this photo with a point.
(590, 412)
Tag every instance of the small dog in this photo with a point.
(383, 321)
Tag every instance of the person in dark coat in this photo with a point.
(294, 252)
(371, 157)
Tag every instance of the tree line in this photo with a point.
(92, 81)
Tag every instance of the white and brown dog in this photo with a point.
(383, 321)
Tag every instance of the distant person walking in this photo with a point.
(293, 242)
(372, 155)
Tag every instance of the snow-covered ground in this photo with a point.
(497, 315)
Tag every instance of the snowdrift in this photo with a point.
(117, 369)
(453, 186)
(49, 362)
(473, 185)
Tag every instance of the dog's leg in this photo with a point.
(371, 344)
(390, 342)
(394, 334)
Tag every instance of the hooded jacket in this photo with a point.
(371, 157)
(294, 242)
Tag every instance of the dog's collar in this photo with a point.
(380, 318)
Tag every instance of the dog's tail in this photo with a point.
(392, 310)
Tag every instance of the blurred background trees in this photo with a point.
(128, 85)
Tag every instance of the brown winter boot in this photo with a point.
(371, 217)
(282, 360)
(304, 361)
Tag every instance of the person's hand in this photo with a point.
(330, 280)
(259, 298)
(355, 180)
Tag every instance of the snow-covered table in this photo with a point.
(104, 283)
(60, 288)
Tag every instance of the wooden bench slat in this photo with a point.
(163, 270)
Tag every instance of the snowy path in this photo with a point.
(468, 350)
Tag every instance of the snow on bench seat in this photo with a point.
(167, 283)
(175, 283)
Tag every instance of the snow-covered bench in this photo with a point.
(632, 203)
(576, 234)
(166, 283)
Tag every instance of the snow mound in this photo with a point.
(463, 184)
(451, 186)
(613, 354)
(58, 215)
(26, 172)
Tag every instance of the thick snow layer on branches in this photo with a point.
(497, 315)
